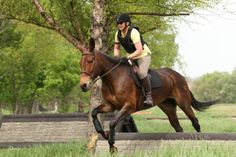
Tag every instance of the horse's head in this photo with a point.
(87, 67)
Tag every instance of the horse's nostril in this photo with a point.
(84, 87)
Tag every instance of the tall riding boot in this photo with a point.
(147, 88)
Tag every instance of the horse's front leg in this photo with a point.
(123, 113)
(103, 108)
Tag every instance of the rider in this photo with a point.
(133, 43)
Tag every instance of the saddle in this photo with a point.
(152, 74)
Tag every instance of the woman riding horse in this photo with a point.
(120, 92)
(133, 43)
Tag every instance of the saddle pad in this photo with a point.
(155, 78)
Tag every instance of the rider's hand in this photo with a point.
(124, 59)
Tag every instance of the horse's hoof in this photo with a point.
(113, 150)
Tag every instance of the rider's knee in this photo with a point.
(142, 75)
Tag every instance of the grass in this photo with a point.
(217, 118)
(72, 149)
(78, 149)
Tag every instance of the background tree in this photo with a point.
(30, 70)
(217, 85)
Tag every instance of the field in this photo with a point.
(218, 118)
(78, 149)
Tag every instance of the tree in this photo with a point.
(217, 85)
(208, 86)
(30, 73)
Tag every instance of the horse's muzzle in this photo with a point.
(85, 87)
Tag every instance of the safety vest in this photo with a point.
(126, 42)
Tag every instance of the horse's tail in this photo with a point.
(201, 106)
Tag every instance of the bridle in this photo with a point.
(92, 76)
(85, 72)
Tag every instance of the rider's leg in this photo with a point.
(144, 64)
(147, 88)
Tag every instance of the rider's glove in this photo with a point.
(124, 59)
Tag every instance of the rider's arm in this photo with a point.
(135, 37)
(116, 46)
(116, 50)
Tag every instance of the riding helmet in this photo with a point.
(123, 17)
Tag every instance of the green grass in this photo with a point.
(72, 149)
(217, 118)
(78, 149)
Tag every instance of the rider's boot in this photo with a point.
(147, 88)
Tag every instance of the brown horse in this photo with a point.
(120, 92)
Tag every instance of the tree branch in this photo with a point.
(58, 28)
(150, 29)
(75, 22)
(10, 17)
(158, 14)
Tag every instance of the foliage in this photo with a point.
(217, 85)
(8, 36)
(40, 70)
(164, 49)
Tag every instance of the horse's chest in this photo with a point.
(111, 98)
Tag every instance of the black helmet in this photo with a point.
(123, 17)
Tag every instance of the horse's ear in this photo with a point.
(91, 45)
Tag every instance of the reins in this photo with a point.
(95, 80)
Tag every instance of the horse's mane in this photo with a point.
(110, 58)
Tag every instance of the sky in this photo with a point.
(208, 42)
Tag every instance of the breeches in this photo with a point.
(143, 64)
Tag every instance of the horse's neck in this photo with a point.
(111, 71)
(105, 63)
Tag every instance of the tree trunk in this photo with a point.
(1, 115)
(100, 36)
(20, 109)
(35, 107)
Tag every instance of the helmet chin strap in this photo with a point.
(125, 29)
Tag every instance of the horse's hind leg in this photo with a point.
(189, 112)
(170, 110)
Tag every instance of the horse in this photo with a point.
(120, 92)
